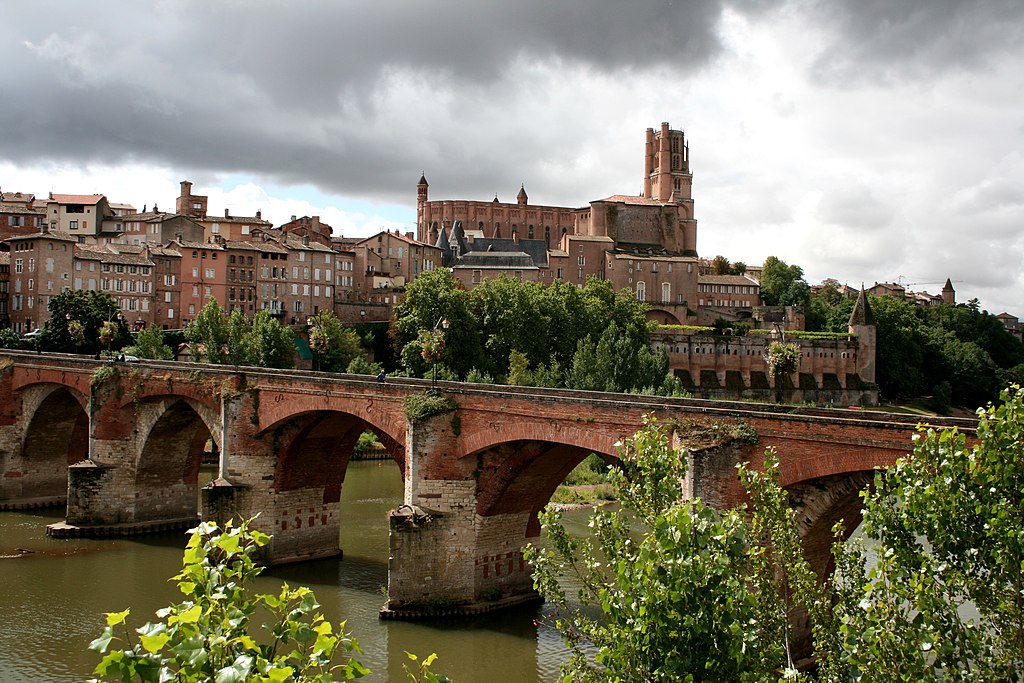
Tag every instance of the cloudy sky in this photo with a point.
(866, 140)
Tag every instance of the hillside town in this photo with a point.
(163, 266)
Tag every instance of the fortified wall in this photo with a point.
(728, 367)
(832, 371)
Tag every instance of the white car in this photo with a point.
(33, 334)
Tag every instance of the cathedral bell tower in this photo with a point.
(422, 229)
(667, 179)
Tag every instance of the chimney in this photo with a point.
(186, 188)
(293, 218)
(155, 209)
(259, 214)
(226, 214)
(316, 224)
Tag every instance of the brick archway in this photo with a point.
(167, 468)
(56, 435)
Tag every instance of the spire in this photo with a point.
(423, 178)
(442, 239)
(521, 197)
(495, 198)
(948, 293)
(861, 314)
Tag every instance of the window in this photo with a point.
(666, 292)
(210, 272)
(641, 291)
(73, 225)
(19, 265)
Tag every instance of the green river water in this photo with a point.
(53, 594)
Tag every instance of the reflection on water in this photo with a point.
(56, 591)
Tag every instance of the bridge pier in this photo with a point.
(445, 558)
(302, 520)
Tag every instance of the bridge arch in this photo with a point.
(174, 433)
(55, 435)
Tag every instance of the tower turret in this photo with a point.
(948, 293)
(862, 325)
(521, 197)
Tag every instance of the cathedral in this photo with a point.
(646, 243)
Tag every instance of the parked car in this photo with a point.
(33, 334)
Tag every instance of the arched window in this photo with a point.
(547, 235)
(481, 226)
(497, 230)
(529, 233)
(666, 293)
(676, 165)
(641, 291)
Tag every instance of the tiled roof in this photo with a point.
(76, 198)
(726, 280)
(631, 199)
(164, 251)
(52, 234)
(20, 197)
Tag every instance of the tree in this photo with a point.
(76, 321)
(209, 635)
(149, 343)
(334, 344)
(9, 339)
(946, 527)
(682, 592)
(782, 284)
(208, 334)
(434, 296)
(267, 343)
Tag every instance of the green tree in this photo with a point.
(335, 344)
(149, 343)
(945, 524)
(210, 635)
(434, 296)
(267, 343)
(671, 589)
(782, 284)
(9, 339)
(207, 334)
(76, 317)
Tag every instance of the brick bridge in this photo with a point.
(122, 445)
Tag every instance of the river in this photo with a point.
(55, 593)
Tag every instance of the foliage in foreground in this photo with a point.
(209, 636)
(947, 532)
(691, 597)
(699, 594)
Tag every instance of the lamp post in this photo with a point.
(433, 346)
(318, 340)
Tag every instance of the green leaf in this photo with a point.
(115, 618)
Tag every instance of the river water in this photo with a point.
(53, 594)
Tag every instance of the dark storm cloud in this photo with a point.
(291, 90)
(883, 40)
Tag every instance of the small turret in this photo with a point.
(862, 325)
(521, 197)
(948, 293)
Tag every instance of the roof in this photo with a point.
(165, 251)
(76, 198)
(7, 206)
(631, 199)
(52, 234)
(861, 314)
(20, 197)
(110, 254)
(726, 280)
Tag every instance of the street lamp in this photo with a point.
(318, 340)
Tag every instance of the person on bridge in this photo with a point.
(381, 377)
